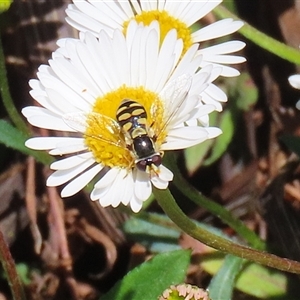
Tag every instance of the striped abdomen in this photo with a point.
(132, 118)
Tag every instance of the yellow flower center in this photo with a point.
(166, 23)
(105, 138)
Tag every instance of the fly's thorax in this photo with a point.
(143, 146)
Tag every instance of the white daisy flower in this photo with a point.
(294, 81)
(83, 90)
(95, 15)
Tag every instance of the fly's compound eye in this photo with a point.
(142, 165)
(146, 163)
(156, 160)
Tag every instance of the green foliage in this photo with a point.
(4, 5)
(151, 278)
(195, 156)
(262, 40)
(221, 143)
(222, 284)
(242, 95)
(229, 4)
(13, 138)
(253, 279)
(244, 92)
(153, 235)
(23, 271)
(211, 150)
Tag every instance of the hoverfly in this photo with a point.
(131, 130)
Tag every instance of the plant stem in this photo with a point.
(10, 271)
(264, 41)
(172, 210)
(214, 208)
(7, 99)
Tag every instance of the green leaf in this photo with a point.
(245, 92)
(13, 138)
(255, 280)
(262, 282)
(150, 279)
(222, 141)
(5, 4)
(222, 284)
(24, 273)
(292, 142)
(155, 237)
(230, 5)
(194, 156)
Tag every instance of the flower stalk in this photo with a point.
(214, 208)
(170, 207)
(7, 99)
(10, 270)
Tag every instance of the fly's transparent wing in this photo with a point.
(173, 96)
(104, 128)
(76, 121)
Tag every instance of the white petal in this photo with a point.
(195, 10)
(62, 176)
(114, 188)
(127, 192)
(96, 194)
(159, 183)
(62, 148)
(108, 178)
(70, 162)
(43, 118)
(80, 182)
(224, 48)
(205, 109)
(216, 93)
(93, 11)
(136, 204)
(142, 187)
(203, 120)
(114, 193)
(207, 99)
(217, 29)
(74, 76)
(41, 97)
(84, 23)
(184, 137)
(166, 58)
(46, 143)
(223, 59)
(165, 173)
(226, 70)
(213, 132)
(110, 194)
(162, 181)
(294, 81)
